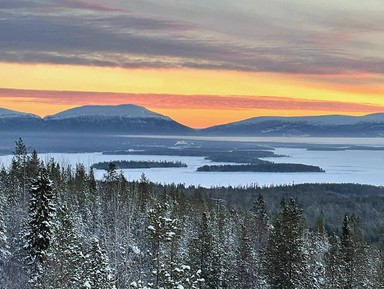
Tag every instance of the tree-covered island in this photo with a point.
(267, 167)
(138, 165)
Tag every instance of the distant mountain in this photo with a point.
(133, 119)
(12, 121)
(122, 119)
(322, 126)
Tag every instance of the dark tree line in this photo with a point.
(138, 165)
(265, 167)
(61, 228)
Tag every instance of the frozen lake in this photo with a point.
(364, 167)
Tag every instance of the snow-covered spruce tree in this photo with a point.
(4, 247)
(260, 237)
(334, 264)
(97, 273)
(163, 235)
(80, 187)
(244, 270)
(317, 246)
(38, 236)
(355, 254)
(204, 255)
(145, 192)
(224, 225)
(287, 267)
(379, 266)
(66, 266)
(33, 166)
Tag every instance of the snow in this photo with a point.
(127, 110)
(7, 113)
(135, 249)
(319, 120)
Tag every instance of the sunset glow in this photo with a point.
(197, 73)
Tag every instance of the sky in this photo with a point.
(201, 63)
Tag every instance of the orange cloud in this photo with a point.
(188, 109)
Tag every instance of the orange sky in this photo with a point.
(197, 98)
(200, 62)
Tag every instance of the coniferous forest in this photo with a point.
(62, 228)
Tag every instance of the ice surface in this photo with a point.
(365, 167)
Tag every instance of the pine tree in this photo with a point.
(285, 251)
(38, 237)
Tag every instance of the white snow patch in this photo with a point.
(126, 111)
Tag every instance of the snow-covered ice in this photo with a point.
(365, 167)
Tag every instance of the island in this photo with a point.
(263, 167)
(138, 165)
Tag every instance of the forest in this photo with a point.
(118, 165)
(62, 228)
(265, 167)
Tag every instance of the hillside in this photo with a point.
(323, 126)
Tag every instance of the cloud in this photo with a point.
(89, 5)
(191, 102)
(300, 37)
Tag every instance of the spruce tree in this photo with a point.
(355, 253)
(38, 237)
(33, 166)
(204, 256)
(334, 264)
(347, 252)
(260, 237)
(285, 251)
(19, 162)
(244, 270)
(163, 236)
(4, 247)
(97, 273)
(145, 192)
(66, 271)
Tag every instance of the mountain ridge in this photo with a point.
(122, 110)
(134, 119)
(119, 119)
(370, 125)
